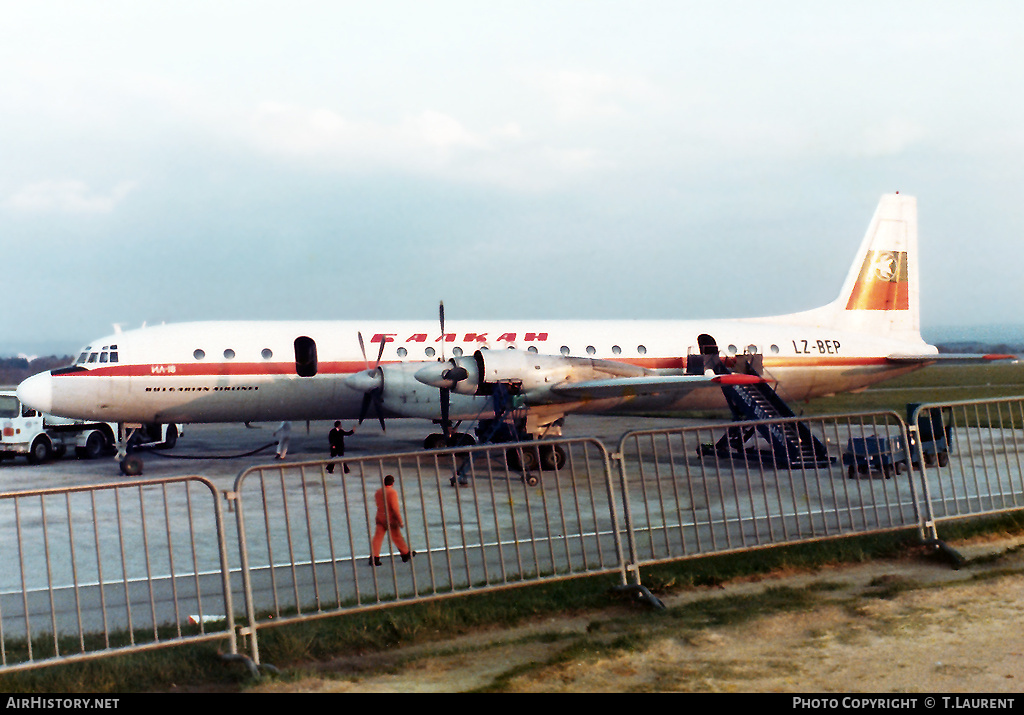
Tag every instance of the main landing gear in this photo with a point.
(442, 440)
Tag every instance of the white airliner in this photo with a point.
(284, 370)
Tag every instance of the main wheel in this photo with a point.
(461, 439)
(552, 458)
(41, 450)
(172, 437)
(435, 441)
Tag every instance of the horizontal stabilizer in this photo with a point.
(950, 358)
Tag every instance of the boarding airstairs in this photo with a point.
(785, 443)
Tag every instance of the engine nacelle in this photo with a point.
(533, 373)
(399, 390)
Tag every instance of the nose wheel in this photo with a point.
(130, 464)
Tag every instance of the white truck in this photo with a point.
(40, 436)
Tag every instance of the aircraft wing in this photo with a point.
(648, 385)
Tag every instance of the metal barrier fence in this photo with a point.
(969, 457)
(712, 489)
(474, 522)
(112, 568)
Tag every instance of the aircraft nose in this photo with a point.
(37, 392)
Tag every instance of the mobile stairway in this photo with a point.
(787, 444)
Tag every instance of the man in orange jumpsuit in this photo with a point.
(389, 521)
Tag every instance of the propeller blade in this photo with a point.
(445, 410)
(362, 347)
(441, 317)
(367, 398)
(373, 398)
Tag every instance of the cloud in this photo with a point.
(66, 197)
(305, 133)
(581, 96)
(425, 143)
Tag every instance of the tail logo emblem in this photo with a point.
(886, 266)
(882, 283)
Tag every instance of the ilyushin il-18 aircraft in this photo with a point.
(249, 371)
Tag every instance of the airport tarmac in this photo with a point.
(220, 452)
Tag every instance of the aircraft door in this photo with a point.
(708, 345)
(305, 356)
(709, 355)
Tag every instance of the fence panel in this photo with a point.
(106, 569)
(712, 489)
(969, 456)
(476, 518)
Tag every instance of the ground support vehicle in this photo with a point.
(885, 455)
(41, 437)
(934, 439)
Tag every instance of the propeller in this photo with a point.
(371, 384)
(446, 393)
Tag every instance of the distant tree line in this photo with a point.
(14, 370)
(980, 347)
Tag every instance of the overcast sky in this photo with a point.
(170, 161)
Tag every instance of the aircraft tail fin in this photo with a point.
(881, 293)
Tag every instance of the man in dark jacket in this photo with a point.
(336, 438)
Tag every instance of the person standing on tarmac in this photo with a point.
(389, 521)
(336, 438)
(284, 438)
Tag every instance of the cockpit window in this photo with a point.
(93, 357)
